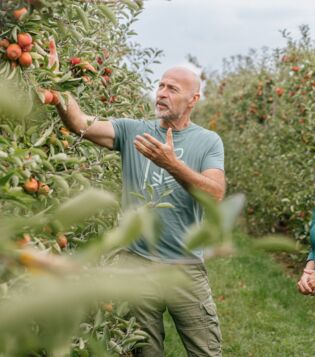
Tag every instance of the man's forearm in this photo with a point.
(189, 178)
(99, 132)
(211, 181)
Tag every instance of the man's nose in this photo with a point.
(162, 93)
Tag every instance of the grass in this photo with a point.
(261, 312)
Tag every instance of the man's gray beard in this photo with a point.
(167, 117)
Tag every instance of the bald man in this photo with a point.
(168, 153)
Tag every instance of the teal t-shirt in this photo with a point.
(200, 149)
(311, 256)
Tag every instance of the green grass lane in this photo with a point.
(261, 312)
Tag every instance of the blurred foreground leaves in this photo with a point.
(58, 299)
(46, 303)
(50, 295)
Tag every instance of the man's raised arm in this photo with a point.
(100, 132)
(211, 180)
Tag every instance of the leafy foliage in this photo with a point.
(77, 46)
(263, 106)
(46, 298)
(84, 48)
(57, 295)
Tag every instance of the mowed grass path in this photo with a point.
(261, 312)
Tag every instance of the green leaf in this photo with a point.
(200, 237)
(39, 152)
(82, 15)
(83, 180)
(210, 207)
(166, 193)
(40, 50)
(129, 229)
(5, 69)
(44, 137)
(41, 96)
(13, 73)
(108, 13)
(151, 227)
(230, 209)
(6, 178)
(131, 324)
(133, 340)
(131, 5)
(36, 56)
(150, 191)
(115, 347)
(17, 196)
(62, 184)
(60, 157)
(14, 33)
(276, 243)
(83, 206)
(75, 34)
(98, 318)
(3, 154)
(123, 309)
(65, 78)
(138, 195)
(164, 205)
(48, 165)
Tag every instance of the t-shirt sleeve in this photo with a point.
(311, 256)
(123, 128)
(214, 156)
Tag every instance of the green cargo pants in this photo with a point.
(192, 309)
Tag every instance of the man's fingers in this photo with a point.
(145, 142)
(152, 140)
(143, 149)
(169, 137)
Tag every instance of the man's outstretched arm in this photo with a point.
(211, 181)
(99, 132)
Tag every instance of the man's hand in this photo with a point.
(211, 181)
(311, 280)
(161, 154)
(306, 284)
(57, 97)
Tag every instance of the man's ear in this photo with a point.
(194, 100)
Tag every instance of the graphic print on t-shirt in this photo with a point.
(157, 177)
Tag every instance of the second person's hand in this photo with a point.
(304, 285)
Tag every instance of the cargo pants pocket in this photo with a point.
(212, 321)
(198, 327)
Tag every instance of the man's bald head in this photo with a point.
(185, 76)
(177, 94)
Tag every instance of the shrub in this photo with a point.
(263, 107)
(85, 48)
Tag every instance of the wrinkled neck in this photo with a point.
(179, 124)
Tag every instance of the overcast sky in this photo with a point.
(214, 29)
